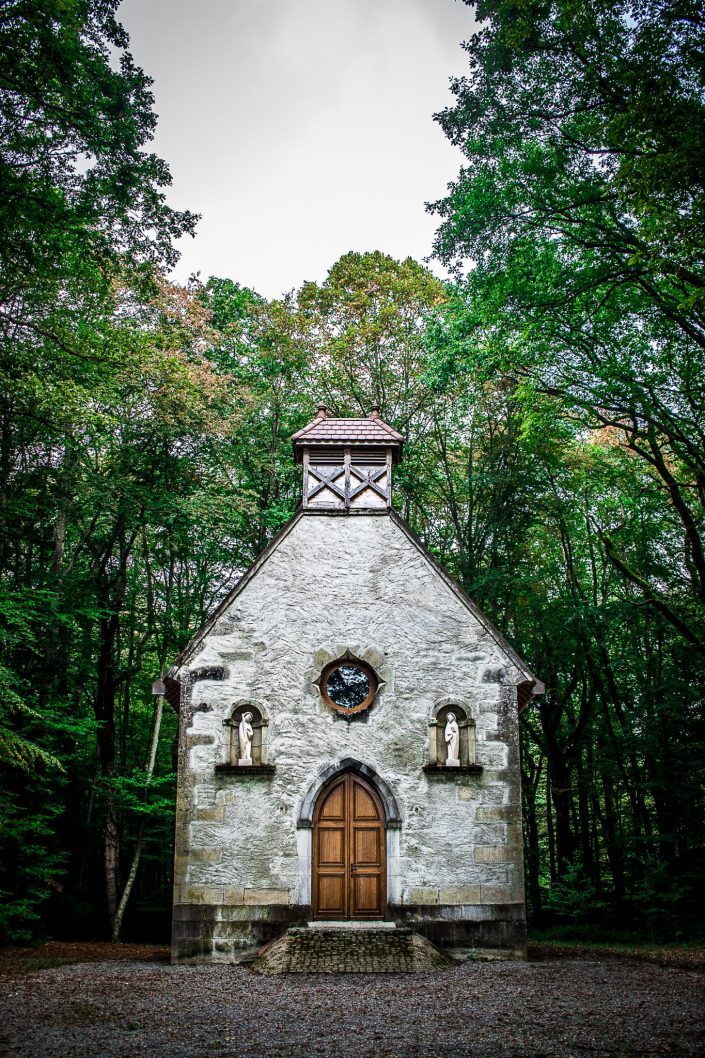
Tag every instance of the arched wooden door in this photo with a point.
(349, 852)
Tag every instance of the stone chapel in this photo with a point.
(348, 743)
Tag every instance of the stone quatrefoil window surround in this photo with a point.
(348, 686)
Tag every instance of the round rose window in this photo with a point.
(348, 686)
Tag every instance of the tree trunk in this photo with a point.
(550, 833)
(533, 855)
(111, 856)
(615, 854)
(561, 794)
(134, 866)
(105, 715)
(584, 818)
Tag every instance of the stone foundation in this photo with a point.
(206, 933)
(497, 926)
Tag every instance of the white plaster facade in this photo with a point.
(333, 582)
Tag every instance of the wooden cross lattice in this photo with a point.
(324, 480)
(356, 481)
(368, 479)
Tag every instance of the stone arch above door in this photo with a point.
(349, 764)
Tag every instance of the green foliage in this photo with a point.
(142, 795)
(551, 401)
(575, 230)
(580, 216)
(35, 780)
(19, 616)
(661, 901)
(574, 898)
(365, 325)
(75, 115)
(101, 396)
(15, 749)
(31, 860)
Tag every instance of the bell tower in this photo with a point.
(347, 463)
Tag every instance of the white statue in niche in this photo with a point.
(452, 738)
(244, 734)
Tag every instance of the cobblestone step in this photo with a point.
(341, 950)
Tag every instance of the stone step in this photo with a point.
(328, 948)
(352, 924)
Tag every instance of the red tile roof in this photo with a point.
(372, 432)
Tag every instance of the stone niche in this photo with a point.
(260, 731)
(437, 748)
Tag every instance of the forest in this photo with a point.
(552, 397)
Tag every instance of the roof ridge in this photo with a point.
(306, 428)
(388, 428)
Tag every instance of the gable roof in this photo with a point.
(530, 684)
(348, 431)
(323, 431)
(537, 686)
(222, 606)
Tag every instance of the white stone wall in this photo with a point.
(357, 583)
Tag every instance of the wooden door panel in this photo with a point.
(363, 805)
(365, 850)
(331, 847)
(349, 852)
(335, 803)
(365, 901)
(331, 895)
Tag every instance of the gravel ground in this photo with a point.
(554, 1009)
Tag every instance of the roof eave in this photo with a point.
(532, 683)
(396, 446)
(247, 576)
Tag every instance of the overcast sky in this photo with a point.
(300, 129)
